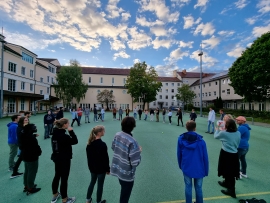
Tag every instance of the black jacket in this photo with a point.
(64, 142)
(49, 119)
(59, 115)
(97, 157)
(179, 114)
(30, 150)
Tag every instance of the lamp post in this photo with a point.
(200, 55)
(2, 78)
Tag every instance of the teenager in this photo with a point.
(145, 114)
(135, 112)
(179, 115)
(193, 161)
(127, 111)
(95, 114)
(170, 116)
(102, 114)
(114, 113)
(98, 162)
(152, 114)
(74, 116)
(86, 115)
(140, 113)
(222, 114)
(120, 112)
(126, 158)
(48, 124)
(60, 114)
(61, 156)
(157, 114)
(228, 164)
(163, 114)
(193, 115)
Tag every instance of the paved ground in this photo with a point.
(158, 177)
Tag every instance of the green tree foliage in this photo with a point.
(250, 73)
(218, 103)
(74, 62)
(142, 83)
(106, 97)
(69, 84)
(184, 94)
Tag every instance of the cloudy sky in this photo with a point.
(116, 33)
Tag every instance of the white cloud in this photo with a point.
(51, 50)
(120, 54)
(207, 60)
(166, 70)
(264, 6)
(117, 45)
(226, 33)
(258, 31)
(138, 39)
(158, 31)
(251, 20)
(202, 4)
(113, 10)
(236, 51)
(241, 4)
(186, 44)
(189, 21)
(161, 43)
(176, 55)
(125, 16)
(136, 61)
(143, 22)
(205, 29)
(210, 43)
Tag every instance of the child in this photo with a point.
(193, 115)
(170, 117)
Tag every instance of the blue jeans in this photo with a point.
(48, 129)
(198, 189)
(242, 157)
(210, 123)
(145, 117)
(95, 117)
(126, 188)
(102, 116)
(135, 116)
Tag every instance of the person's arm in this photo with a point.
(134, 154)
(241, 130)
(179, 153)
(73, 137)
(44, 120)
(219, 134)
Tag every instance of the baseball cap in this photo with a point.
(241, 118)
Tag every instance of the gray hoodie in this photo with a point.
(87, 112)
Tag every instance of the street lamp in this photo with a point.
(200, 55)
(2, 78)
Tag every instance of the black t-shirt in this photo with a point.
(157, 111)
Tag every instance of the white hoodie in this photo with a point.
(212, 116)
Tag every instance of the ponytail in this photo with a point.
(61, 122)
(93, 134)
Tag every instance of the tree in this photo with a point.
(250, 72)
(74, 62)
(106, 97)
(185, 94)
(142, 83)
(69, 84)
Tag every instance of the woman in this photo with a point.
(62, 155)
(98, 162)
(221, 124)
(48, 124)
(114, 113)
(228, 164)
(163, 114)
(170, 116)
(145, 114)
(179, 117)
(30, 152)
(152, 114)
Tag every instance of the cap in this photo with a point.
(241, 118)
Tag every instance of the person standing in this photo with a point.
(60, 114)
(179, 115)
(102, 114)
(211, 120)
(79, 113)
(127, 111)
(152, 115)
(228, 164)
(170, 116)
(193, 115)
(86, 115)
(243, 147)
(135, 112)
(95, 114)
(222, 114)
(145, 114)
(48, 124)
(98, 162)
(126, 158)
(163, 114)
(61, 156)
(114, 113)
(30, 152)
(157, 114)
(120, 112)
(140, 113)
(74, 117)
(28, 114)
(193, 161)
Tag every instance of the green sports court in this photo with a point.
(158, 177)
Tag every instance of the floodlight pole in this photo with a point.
(200, 55)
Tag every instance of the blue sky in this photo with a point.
(117, 33)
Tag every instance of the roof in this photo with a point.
(40, 64)
(11, 50)
(105, 71)
(211, 78)
(23, 48)
(47, 59)
(168, 79)
(193, 74)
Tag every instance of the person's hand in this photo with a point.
(140, 149)
(37, 135)
(70, 129)
(108, 173)
(45, 124)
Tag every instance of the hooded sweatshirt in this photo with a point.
(12, 133)
(192, 155)
(244, 129)
(49, 119)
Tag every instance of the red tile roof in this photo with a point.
(168, 79)
(193, 74)
(105, 71)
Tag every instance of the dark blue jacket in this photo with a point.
(245, 135)
(12, 133)
(192, 155)
(49, 119)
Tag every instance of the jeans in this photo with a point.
(210, 123)
(140, 116)
(120, 117)
(95, 117)
(145, 117)
(62, 169)
(48, 129)
(242, 157)
(86, 118)
(135, 115)
(94, 178)
(126, 188)
(12, 153)
(198, 189)
(17, 164)
(163, 116)
(151, 117)
(30, 172)
(79, 119)
(180, 119)
(73, 120)
(102, 116)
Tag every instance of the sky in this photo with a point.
(166, 34)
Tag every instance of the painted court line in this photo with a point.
(222, 197)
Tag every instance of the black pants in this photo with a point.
(17, 164)
(140, 116)
(230, 182)
(30, 172)
(62, 169)
(180, 120)
(126, 188)
(94, 178)
(114, 115)
(170, 119)
(75, 119)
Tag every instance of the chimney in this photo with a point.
(184, 71)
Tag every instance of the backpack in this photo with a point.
(253, 200)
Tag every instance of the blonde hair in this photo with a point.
(94, 132)
(60, 123)
(229, 116)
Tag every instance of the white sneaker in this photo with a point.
(70, 200)
(244, 175)
(54, 199)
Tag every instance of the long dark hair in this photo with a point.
(21, 121)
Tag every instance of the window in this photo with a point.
(11, 85)
(101, 80)
(50, 69)
(199, 87)
(228, 91)
(31, 87)
(40, 106)
(199, 95)
(202, 94)
(89, 80)
(23, 71)
(172, 103)
(154, 103)
(194, 88)
(209, 93)
(209, 84)
(228, 81)
(224, 81)
(124, 80)
(98, 91)
(11, 105)
(22, 85)
(166, 97)
(228, 105)
(251, 106)
(173, 84)
(216, 83)
(172, 90)
(166, 84)
(41, 79)
(261, 107)
(243, 106)
(223, 91)
(112, 80)
(166, 90)
(234, 105)
(215, 93)
(12, 67)
(205, 94)
(48, 90)
(166, 103)
(22, 104)
(203, 85)
(41, 91)
(31, 73)
(178, 84)
(160, 90)
(160, 96)
(48, 79)
(172, 97)
(27, 58)
(53, 70)
(52, 80)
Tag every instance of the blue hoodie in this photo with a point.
(12, 133)
(192, 155)
(245, 135)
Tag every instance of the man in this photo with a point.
(193, 115)
(244, 129)
(120, 112)
(87, 114)
(140, 114)
(211, 120)
(135, 113)
(79, 112)
(60, 114)
(157, 115)
(13, 144)
(127, 156)
(48, 124)
(193, 161)
(95, 114)
(222, 114)
(74, 116)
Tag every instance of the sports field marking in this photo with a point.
(222, 197)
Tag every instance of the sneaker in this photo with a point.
(206, 132)
(103, 201)
(244, 175)
(211, 133)
(70, 200)
(32, 191)
(55, 198)
(25, 188)
(15, 175)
